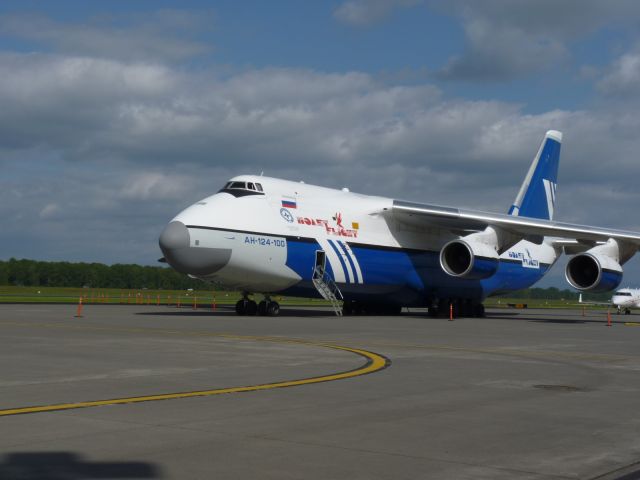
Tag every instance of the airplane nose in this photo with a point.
(175, 243)
(174, 237)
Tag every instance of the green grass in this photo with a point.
(11, 294)
(500, 302)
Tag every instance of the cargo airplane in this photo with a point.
(370, 254)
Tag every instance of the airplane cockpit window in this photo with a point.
(242, 189)
(623, 294)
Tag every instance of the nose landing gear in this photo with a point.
(266, 307)
(246, 306)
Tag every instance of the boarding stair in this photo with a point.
(327, 289)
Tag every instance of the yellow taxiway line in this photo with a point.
(374, 363)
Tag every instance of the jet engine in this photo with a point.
(466, 258)
(594, 272)
(598, 269)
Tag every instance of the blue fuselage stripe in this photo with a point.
(353, 266)
(344, 265)
(409, 276)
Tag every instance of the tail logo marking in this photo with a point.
(550, 191)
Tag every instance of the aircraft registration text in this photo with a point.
(265, 241)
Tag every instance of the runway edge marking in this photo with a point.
(374, 363)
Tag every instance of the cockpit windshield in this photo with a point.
(622, 294)
(242, 189)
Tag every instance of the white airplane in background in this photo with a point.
(266, 235)
(624, 300)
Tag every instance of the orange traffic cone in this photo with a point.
(79, 311)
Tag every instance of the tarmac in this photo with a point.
(156, 392)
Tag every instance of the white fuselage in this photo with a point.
(266, 241)
(626, 298)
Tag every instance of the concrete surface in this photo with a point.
(538, 394)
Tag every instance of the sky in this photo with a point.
(117, 115)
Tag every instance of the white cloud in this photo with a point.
(623, 77)
(362, 13)
(167, 35)
(152, 118)
(155, 186)
(49, 211)
(514, 38)
(500, 53)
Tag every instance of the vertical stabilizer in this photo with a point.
(537, 196)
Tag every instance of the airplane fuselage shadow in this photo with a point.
(70, 466)
(185, 312)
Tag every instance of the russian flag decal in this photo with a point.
(289, 203)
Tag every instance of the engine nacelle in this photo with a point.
(593, 271)
(465, 258)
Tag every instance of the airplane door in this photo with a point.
(321, 259)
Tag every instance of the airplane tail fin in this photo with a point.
(537, 195)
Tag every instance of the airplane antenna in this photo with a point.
(262, 173)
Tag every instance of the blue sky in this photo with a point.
(117, 115)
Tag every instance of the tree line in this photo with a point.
(33, 273)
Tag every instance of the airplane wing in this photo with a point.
(461, 220)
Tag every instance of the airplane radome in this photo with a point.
(369, 254)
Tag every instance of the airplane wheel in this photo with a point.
(470, 309)
(241, 307)
(627, 312)
(273, 309)
(252, 307)
(363, 309)
(357, 308)
(369, 309)
(262, 308)
(347, 308)
(478, 310)
(392, 309)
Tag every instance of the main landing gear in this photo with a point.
(457, 307)
(266, 307)
(627, 311)
(351, 307)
